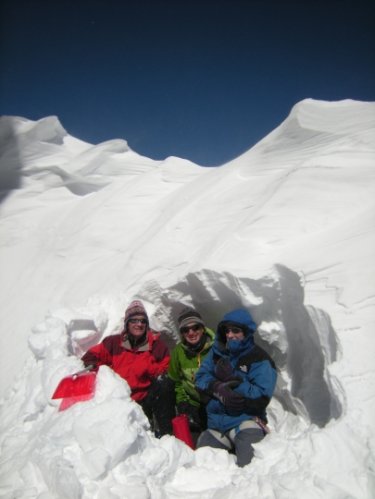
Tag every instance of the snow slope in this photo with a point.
(286, 229)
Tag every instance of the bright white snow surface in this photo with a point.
(286, 230)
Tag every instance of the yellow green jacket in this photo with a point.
(183, 366)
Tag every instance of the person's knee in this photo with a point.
(249, 436)
(243, 443)
(213, 438)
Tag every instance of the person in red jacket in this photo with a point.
(139, 356)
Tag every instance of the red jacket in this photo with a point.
(138, 366)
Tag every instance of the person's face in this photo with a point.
(192, 333)
(137, 325)
(234, 333)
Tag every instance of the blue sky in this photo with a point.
(200, 79)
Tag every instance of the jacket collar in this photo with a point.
(143, 346)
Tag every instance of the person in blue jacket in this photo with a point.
(238, 379)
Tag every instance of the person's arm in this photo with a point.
(209, 385)
(99, 354)
(259, 385)
(159, 359)
(205, 375)
(175, 372)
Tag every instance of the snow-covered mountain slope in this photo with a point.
(286, 229)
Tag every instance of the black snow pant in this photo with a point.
(239, 441)
(197, 417)
(159, 405)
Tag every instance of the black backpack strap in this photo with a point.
(257, 354)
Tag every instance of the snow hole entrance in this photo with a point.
(300, 338)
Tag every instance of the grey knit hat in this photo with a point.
(187, 316)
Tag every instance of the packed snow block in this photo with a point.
(83, 334)
(107, 434)
(110, 386)
(110, 428)
(62, 479)
(48, 339)
(213, 469)
(96, 462)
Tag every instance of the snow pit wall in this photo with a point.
(300, 338)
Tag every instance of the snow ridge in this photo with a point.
(285, 230)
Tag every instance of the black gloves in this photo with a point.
(224, 371)
(232, 401)
(184, 408)
(257, 406)
(192, 413)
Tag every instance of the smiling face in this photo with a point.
(136, 325)
(192, 333)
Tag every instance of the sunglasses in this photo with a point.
(234, 329)
(136, 321)
(186, 329)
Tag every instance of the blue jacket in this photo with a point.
(249, 362)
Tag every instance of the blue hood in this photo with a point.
(239, 317)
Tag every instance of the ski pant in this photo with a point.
(159, 405)
(239, 440)
(197, 417)
(199, 423)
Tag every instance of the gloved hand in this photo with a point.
(183, 408)
(192, 413)
(232, 401)
(224, 371)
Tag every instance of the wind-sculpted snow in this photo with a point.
(108, 437)
(285, 230)
(300, 339)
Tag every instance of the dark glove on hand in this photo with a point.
(192, 413)
(183, 408)
(224, 371)
(231, 400)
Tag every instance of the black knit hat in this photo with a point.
(188, 315)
